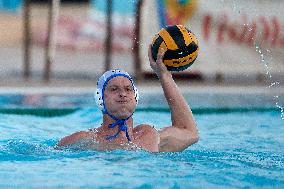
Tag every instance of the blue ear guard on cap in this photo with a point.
(99, 97)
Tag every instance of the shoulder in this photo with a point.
(147, 137)
(146, 130)
(73, 138)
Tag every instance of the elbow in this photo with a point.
(191, 139)
(195, 135)
(195, 138)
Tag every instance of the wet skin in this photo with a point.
(120, 102)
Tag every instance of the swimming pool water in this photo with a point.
(237, 149)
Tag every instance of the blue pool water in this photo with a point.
(238, 148)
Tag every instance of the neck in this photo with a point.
(107, 120)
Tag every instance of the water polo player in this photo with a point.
(117, 97)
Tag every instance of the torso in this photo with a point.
(144, 137)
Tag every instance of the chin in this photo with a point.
(123, 116)
(122, 112)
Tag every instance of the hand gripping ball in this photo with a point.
(180, 45)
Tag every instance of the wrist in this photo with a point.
(165, 74)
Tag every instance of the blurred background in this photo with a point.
(70, 43)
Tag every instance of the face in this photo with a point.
(119, 97)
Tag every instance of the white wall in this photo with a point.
(237, 56)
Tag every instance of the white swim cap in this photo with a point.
(102, 82)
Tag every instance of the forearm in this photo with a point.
(180, 112)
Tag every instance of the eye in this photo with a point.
(128, 89)
(113, 89)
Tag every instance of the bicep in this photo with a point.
(173, 139)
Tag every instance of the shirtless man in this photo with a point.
(117, 97)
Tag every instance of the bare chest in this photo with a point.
(143, 138)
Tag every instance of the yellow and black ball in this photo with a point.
(180, 45)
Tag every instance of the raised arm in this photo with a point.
(183, 131)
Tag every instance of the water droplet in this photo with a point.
(265, 56)
(274, 84)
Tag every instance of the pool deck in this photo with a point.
(61, 87)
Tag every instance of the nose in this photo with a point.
(122, 93)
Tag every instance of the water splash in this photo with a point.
(279, 106)
(266, 56)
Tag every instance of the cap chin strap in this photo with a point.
(122, 126)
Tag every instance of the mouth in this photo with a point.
(122, 101)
